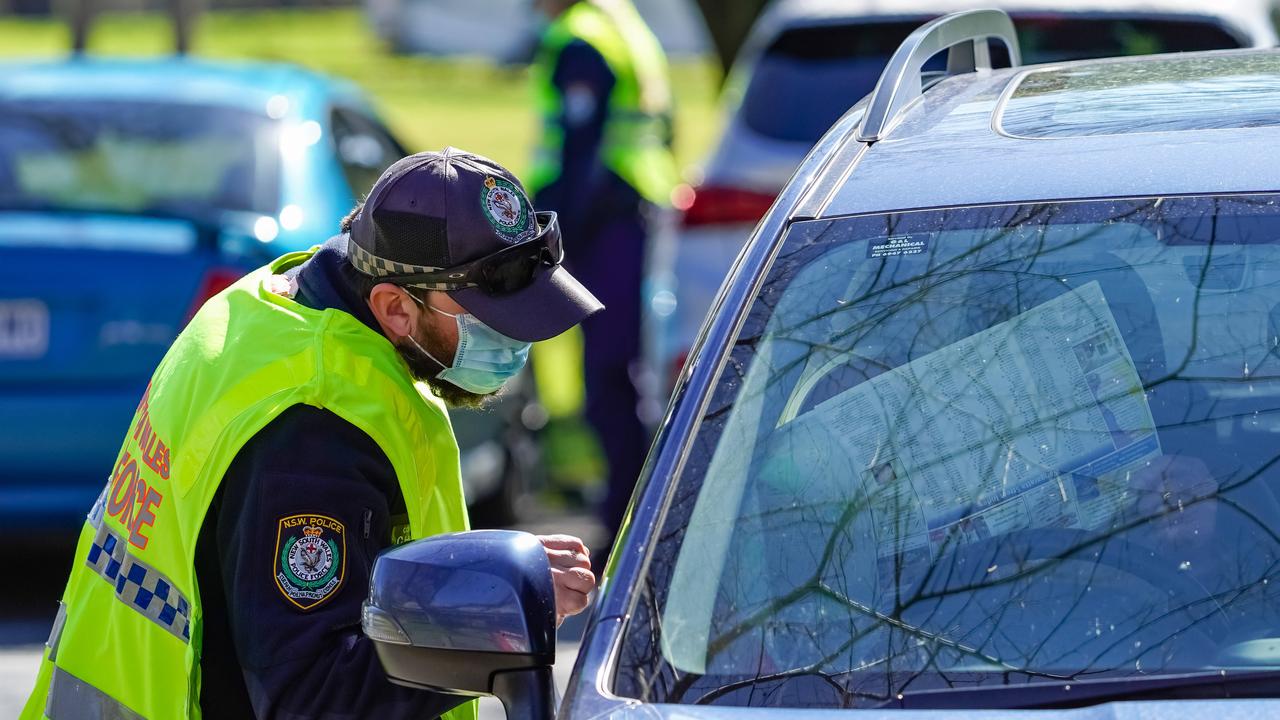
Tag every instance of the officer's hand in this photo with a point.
(571, 572)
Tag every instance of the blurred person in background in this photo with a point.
(604, 163)
(295, 429)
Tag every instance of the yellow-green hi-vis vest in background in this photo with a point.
(637, 128)
(127, 640)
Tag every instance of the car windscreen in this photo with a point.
(133, 156)
(809, 76)
(977, 448)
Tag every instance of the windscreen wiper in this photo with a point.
(1078, 693)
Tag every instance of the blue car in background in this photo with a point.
(130, 192)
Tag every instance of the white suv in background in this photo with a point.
(807, 61)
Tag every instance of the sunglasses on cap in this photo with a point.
(501, 273)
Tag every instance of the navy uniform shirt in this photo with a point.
(585, 193)
(263, 655)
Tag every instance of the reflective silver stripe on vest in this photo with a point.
(99, 507)
(71, 698)
(55, 635)
(139, 585)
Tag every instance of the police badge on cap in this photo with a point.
(507, 210)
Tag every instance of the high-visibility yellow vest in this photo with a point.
(636, 142)
(128, 636)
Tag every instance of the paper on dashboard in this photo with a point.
(1033, 423)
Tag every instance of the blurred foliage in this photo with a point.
(429, 102)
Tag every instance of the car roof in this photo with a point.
(176, 79)
(1251, 18)
(954, 146)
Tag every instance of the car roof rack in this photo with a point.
(964, 35)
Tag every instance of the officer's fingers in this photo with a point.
(564, 542)
(577, 579)
(571, 603)
(567, 559)
(572, 596)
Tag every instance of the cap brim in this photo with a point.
(554, 302)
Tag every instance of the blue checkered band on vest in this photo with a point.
(139, 585)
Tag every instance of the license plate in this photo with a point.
(24, 329)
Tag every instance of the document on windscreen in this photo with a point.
(1036, 422)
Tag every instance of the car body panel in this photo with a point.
(704, 258)
(949, 139)
(65, 406)
(752, 161)
(1165, 710)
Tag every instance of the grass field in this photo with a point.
(428, 102)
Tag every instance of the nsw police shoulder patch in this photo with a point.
(310, 558)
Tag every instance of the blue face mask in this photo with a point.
(485, 359)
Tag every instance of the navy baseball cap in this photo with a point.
(436, 211)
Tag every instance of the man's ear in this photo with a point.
(396, 313)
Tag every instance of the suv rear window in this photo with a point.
(809, 76)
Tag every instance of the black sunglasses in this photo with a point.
(503, 272)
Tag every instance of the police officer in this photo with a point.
(286, 438)
(604, 161)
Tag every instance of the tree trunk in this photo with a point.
(728, 22)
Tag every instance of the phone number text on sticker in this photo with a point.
(896, 245)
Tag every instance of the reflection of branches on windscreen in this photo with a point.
(918, 288)
(938, 640)
(1216, 602)
(990, 253)
(1210, 604)
(819, 583)
(1204, 230)
(850, 338)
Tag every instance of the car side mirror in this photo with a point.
(471, 613)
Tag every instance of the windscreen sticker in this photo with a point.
(896, 245)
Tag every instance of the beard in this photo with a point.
(424, 369)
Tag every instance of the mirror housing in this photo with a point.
(470, 614)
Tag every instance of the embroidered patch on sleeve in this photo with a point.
(309, 558)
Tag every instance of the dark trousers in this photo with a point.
(611, 265)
